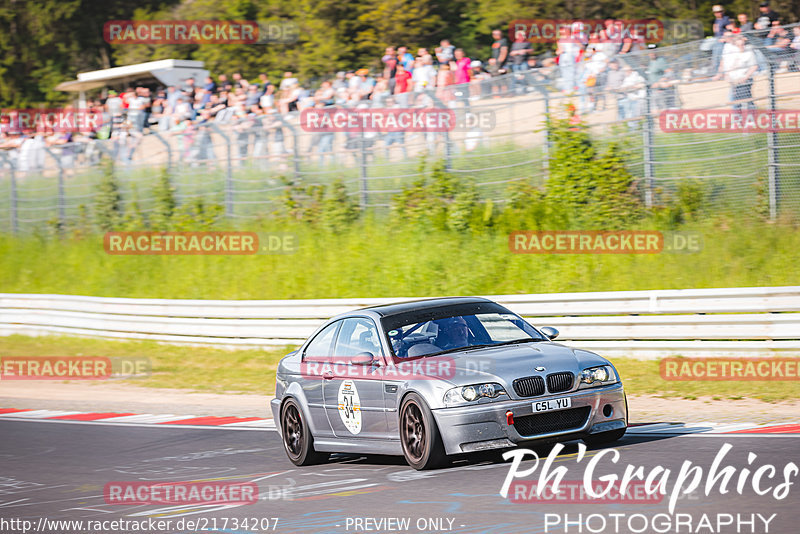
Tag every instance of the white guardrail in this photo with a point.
(692, 322)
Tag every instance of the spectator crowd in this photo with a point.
(594, 64)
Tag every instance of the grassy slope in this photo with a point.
(372, 261)
(253, 371)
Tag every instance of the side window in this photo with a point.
(358, 335)
(320, 346)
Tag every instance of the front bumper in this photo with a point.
(484, 426)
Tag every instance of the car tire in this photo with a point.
(296, 436)
(604, 437)
(419, 435)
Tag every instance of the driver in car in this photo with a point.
(453, 333)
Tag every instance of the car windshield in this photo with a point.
(451, 333)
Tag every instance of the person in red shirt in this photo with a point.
(402, 84)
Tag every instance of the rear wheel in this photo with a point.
(422, 443)
(297, 438)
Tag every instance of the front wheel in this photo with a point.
(422, 443)
(297, 439)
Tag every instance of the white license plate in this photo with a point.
(552, 404)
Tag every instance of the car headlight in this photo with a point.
(462, 395)
(594, 376)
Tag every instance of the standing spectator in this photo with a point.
(444, 77)
(288, 81)
(389, 61)
(500, 48)
(265, 86)
(424, 75)
(461, 66)
(406, 58)
(224, 83)
(766, 17)
(655, 68)
(252, 96)
(380, 92)
(172, 96)
(339, 82)
(592, 79)
(520, 50)
(238, 81)
(137, 108)
(721, 21)
(665, 90)
(160, 111)
(189, 87)
(325, 95)
(445, 52)
(633, 89)
(779, 50)
(740, 70)
(568, 50)
(403, 84)
(744, 24)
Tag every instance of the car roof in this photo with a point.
(386, 310)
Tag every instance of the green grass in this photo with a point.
(215, 370)
(644, 378)
(378, 260)
(208, 370)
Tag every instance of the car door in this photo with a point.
(353, 394)
(316, 362)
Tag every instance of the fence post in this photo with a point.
(647, 141)
(169, 149)
(448, 149)
(546, 146)
(772, 149)
(61, 214)
(364, 183)
(228, 172)
(13, 200)
(295, 145)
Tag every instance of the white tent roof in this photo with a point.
(166, 71)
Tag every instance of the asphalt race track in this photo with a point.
(58, 470)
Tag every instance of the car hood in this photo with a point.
(505, 364)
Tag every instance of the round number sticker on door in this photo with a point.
(350, 406)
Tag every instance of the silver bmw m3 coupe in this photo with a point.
(434, 378)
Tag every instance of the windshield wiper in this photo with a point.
(518, 341)
(467, 347)
(485, 346)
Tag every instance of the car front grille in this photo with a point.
(543, 423)
(558, 382)
(530, 386)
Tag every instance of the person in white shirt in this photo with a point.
(741, 66)
(633, 87)
(424, 75)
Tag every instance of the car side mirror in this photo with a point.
(549, 331)
(362, 358)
